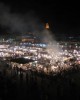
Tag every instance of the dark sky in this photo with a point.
(63, 17)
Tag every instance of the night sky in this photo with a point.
(63, 17)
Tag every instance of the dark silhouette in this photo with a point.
(33, 85)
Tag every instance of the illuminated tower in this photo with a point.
(47, 26)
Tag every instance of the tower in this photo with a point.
(47, 26)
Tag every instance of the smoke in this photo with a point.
(18, 23)
(53, 48)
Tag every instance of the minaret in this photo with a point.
(47, 26)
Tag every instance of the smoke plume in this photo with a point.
(18, 23)
(53, 48)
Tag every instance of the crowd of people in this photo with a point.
(17, 84)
